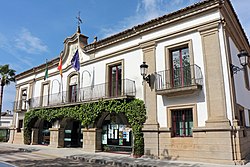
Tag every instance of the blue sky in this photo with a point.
(33, 31)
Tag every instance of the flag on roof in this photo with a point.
(75, 61)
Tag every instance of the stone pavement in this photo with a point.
(76, 156)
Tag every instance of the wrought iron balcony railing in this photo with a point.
(20, 105)
(121, 88)
(181, 77)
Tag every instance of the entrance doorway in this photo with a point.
(72, 134)
(45, 133)
(116, 134)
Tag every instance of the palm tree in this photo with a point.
(7, 76)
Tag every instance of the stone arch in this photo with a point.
(100, 120)
(71, 129)
(114, 132)
(40, 131)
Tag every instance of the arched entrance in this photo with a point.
(41, 133)
(72, 132)
(116, 133)
(45, 133)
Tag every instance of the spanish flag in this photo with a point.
(60, 66)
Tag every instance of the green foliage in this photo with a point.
(7, 75)
(4, 135)
(88, 113)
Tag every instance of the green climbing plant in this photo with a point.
(87, 114)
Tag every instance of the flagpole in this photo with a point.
(79, 47)
(79, 74)
(62, 88)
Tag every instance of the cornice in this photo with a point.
(38, 69)
(233, 27)
(181, 14)
(152, 25)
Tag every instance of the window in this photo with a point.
(182, 122)
(242, 121)
(73, 93)
(45, 94)
(23, 99)
(248, 118)
(20, 125)
(115, 80)
(180, 67)
(242, 117)
(73, 88)
(246, 77)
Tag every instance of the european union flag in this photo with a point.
(75, 61)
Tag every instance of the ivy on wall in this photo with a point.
(87, 113)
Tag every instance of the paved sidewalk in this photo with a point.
(104, 159)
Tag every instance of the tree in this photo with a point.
(7, 76)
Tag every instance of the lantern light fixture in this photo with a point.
(144, 71)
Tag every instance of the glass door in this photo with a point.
(73, 93)
(115, 80)
(181, 74)
(45, 97)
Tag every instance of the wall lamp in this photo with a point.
(243, 57)
(24, 98)
(144, 70)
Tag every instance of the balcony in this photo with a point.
(179, 81)
(118, 90)
(20, 105)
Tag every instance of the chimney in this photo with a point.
(95, 39)
(83, 40)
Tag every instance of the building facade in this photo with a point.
(5, 124)
(197, 106)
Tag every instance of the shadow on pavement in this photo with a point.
(53, 163)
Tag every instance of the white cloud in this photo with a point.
(149, 9)
(24, 41)
(145, 11)
(29, 43)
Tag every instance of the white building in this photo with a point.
(197, 108)
(5, 124)
(6, 119)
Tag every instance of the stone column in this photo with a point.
(215, 91)
(22, 138)
(151, 126)
(92, 139)
(34, 136)
(12, 134)
(56, 137)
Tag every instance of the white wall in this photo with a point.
(226, 72)
(6, 121)
(242, 94)
(199, 98)
(132, 61)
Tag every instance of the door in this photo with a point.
(73, 93)
(45, 96)
(181, 73)
(115, 80)
(73, 88)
